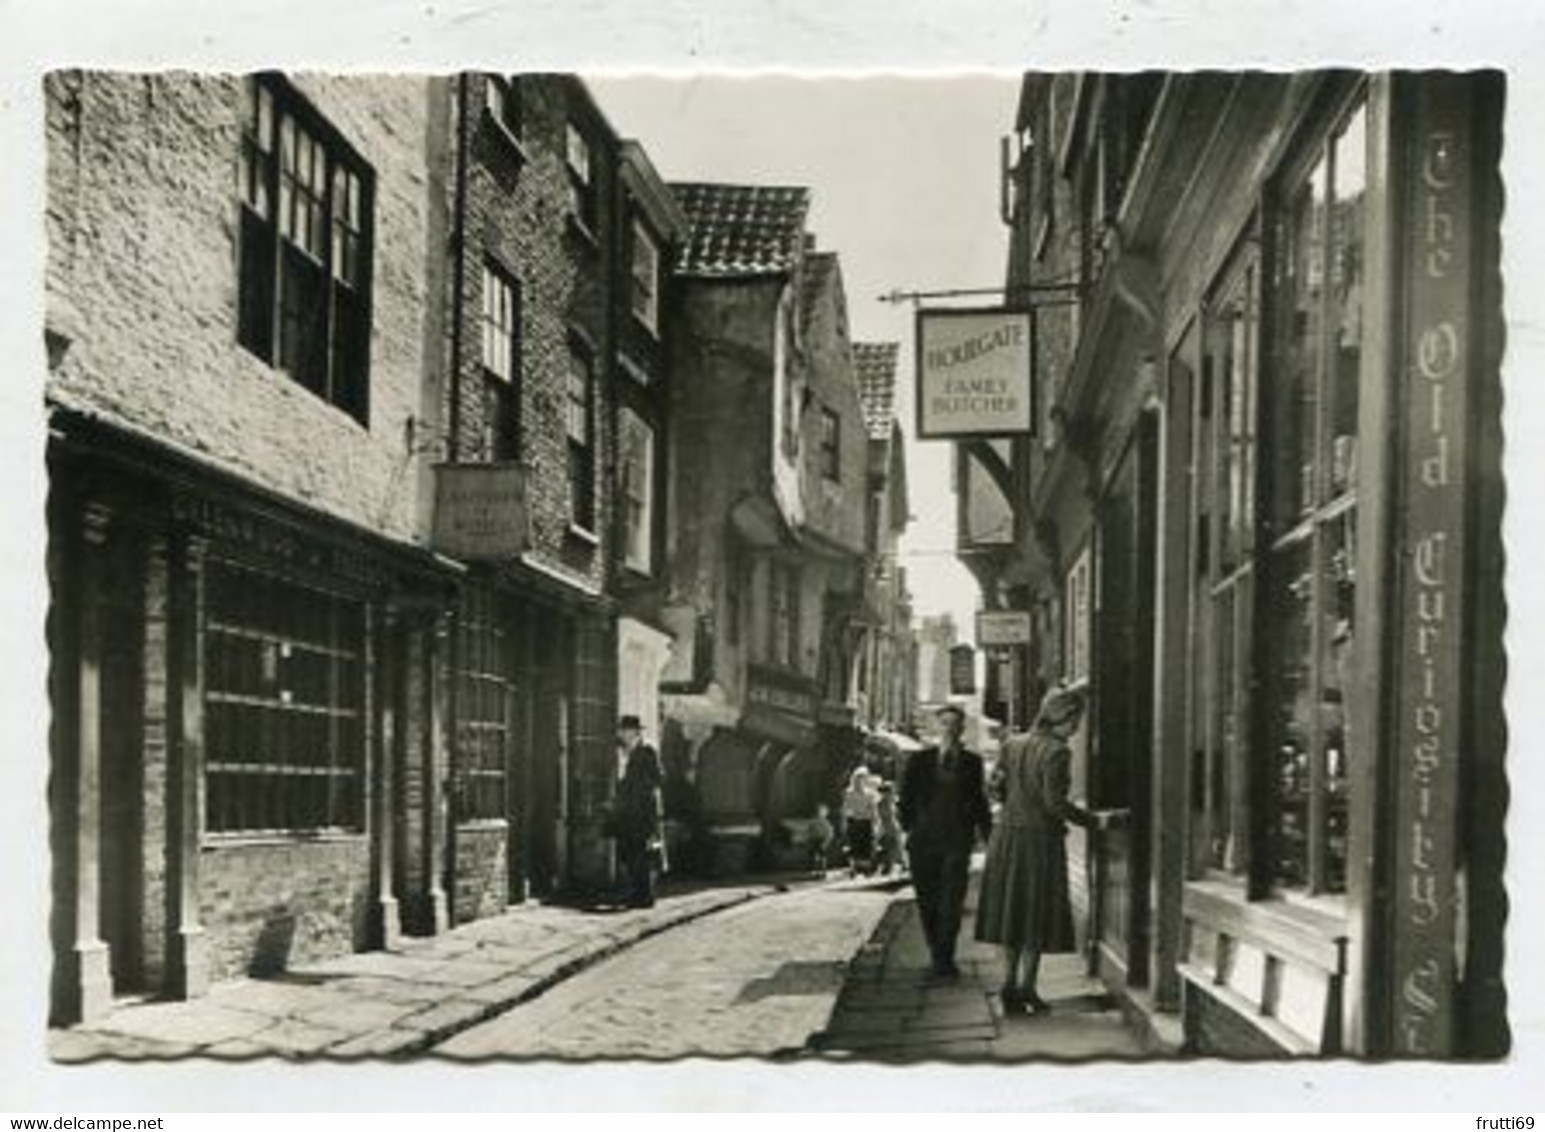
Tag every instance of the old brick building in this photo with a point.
(558, 350)
(236, 296)
(355, 398)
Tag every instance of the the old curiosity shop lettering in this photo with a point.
(1428, 734)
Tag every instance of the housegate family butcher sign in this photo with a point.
(973, 373)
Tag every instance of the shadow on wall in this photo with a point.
(275, 941)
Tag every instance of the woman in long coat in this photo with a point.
(1024, 903)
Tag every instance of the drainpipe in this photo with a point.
(459, 270)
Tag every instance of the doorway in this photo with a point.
(1121, 773)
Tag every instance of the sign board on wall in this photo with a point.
(973, 373)
(1431, 729)
(480, 511)
(1002, 628)
(780, 705)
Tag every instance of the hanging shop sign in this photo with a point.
(973, 373)
(1435, 381)
(480, 511)
(996, 629)
(962, 670)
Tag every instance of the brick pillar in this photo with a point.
(386, 926)
(187, 957)
(83, 977)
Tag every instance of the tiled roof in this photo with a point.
(874, 367)
(741, 229)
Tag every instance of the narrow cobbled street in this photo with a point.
(834, 969)
(758, 979)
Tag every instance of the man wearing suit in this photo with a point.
(943, 809)
(637, 817)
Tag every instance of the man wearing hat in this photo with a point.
(636, 821)
(943, 809)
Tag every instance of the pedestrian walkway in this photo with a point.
(390, 1003)
(893, 1008)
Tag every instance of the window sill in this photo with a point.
(582, 535)
(1312, 935)
(650, 327)
(507, 137)
(213, 841)
(583, 233)
(635, 371)
(483, 825)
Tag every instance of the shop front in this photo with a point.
(243, 756)
(1273, 503)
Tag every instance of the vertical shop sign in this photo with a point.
(1434, 394)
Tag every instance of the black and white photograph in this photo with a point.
(547, 568)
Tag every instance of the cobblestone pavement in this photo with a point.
(757, 980)
(391, 1003)
(892, 1008)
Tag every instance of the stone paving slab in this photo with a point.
(902, 1013)
(387, 1003)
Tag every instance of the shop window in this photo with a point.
(283, 706)
(305, 247)
(1271, 745)
(580, 426)
(637, 494)
(645, 278)
(1225, 439)
(1317, 365)
(501, 364)
(831, 444)
(485, 665)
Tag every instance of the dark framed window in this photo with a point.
(306, 239)
(644, 291)
(485, 683)
(1224, 448)
(579, 420)
(584, 195)
(1316, 361)
(636, 459)
(502, 102)
(283, 705)
(501, 363)
(831, 444)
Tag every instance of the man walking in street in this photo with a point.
(943, 809)
(636, 821)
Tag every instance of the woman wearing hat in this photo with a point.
(1024, 903)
